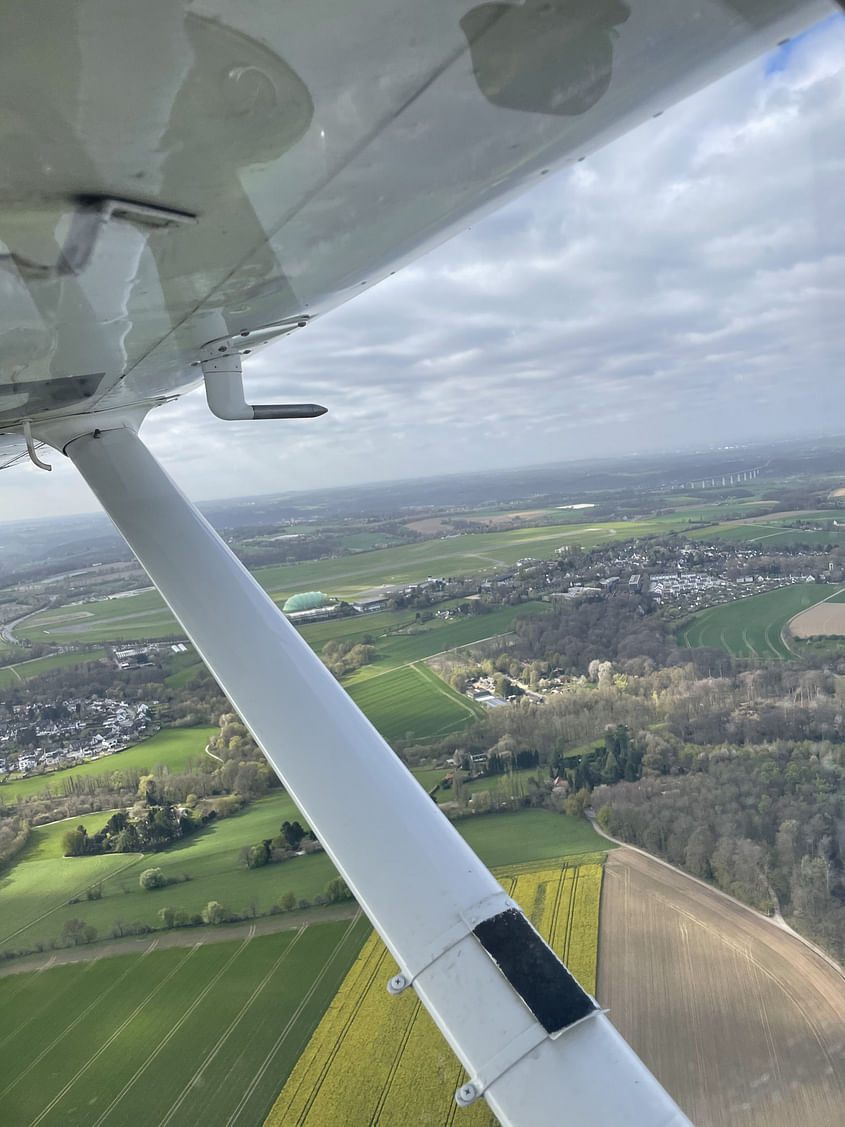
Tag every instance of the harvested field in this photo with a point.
(741, 1022)
(822, 620)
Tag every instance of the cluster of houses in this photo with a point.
(695, 590)
(483, 690)
(76, 730)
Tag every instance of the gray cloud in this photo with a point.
(681, 287)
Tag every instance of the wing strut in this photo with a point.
(534, 1044)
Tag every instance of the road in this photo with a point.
(181, 937)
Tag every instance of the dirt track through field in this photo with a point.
(742, 1023)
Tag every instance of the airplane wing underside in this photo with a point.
(177, 173)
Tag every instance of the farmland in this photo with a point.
(414, 701)
(93, 1043)
(377, 1058)
(35, 892)
(752, 627)
(738, 1019)
(171, 748)
(24, 670)
(436, 636)
(826, 619)
(772, 535)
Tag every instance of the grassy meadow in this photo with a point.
(422, 640)
(775, 535)
(36, 891)
(502, 840)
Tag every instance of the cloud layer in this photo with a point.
(683, 287)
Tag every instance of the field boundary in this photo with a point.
(292, 1020)
(788, 624)
(774, 921)
(374, 1059)
(755, 626)
(180, 937)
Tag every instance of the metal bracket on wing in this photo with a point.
(463, 928)
(30, 447)
(522, 1045)
(532, 969)
(222, 371)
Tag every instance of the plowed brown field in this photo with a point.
(824, 618)
(741, 1022)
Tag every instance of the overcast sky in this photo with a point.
(683, 287)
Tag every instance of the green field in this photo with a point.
(751, 628)
(124, 617)
(529, 835)
(774, 535)
(429, 777)
(413, 702)
(378, 625)
(181, 1035)
(25, 670)
(504, 788)
(34, 893)
(423, 640)
(95, 1034)
(45, 842)
(171, 748)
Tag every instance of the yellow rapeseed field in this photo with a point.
(380, 1060)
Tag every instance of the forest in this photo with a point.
(737, 778)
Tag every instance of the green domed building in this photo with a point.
(306, 600)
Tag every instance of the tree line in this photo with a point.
(738, 777)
